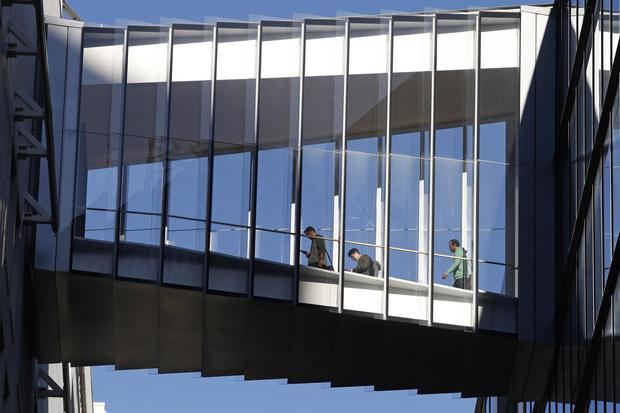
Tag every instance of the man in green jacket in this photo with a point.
(458, 269)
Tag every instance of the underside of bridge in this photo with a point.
(98, 321)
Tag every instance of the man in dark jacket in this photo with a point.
(316, 256)
(364, 265)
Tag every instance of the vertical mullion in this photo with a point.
(474, 276)
(210, 166)
(343, 169)
(77, 153)
(120, 174)
(388, 172)
(166, 163)
(298, 166)
(254, 173)
(431, 204)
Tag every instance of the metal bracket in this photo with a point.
(30, 108)
(26, 49)
(28, 145)
(52, 389)
(36, 213)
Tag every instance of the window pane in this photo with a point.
(321, 136)
(188, 162)
(453, 171)
(365, 164)
(98, 151)
(235, 91)
(143, 151)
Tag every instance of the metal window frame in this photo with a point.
(476, 183)
(380, 20)
(121, 149)
(299, 167)
(254, 165)
(163, 225)
(210, 166)
(388, 172)
(122, 175)
(467, 18)
(85, 31)
(431, 203)
(343, 168)
(206, 29)
(296, 25)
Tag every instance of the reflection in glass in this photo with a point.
(98, 151)
(143, 153)
(277, 140)
(235, 91)
(453, 169)
(323, 91)
(410, 167)
(365, 162)
(188, 162)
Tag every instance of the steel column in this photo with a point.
(343, 169)
(298, 166)
(388, 172)
(210, 166)
(121, 145)
(254, 166)
(431, 202)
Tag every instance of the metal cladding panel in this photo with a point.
(356, 345)
(403, 349)
(180, 330)
(448, 358)
(224, 341)
(90, 316)
(311, 355)
(268, 345)
(135, 325)
(47, 316)
(490, 353)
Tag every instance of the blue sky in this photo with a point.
(132, 391)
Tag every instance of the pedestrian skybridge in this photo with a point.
(193, 156)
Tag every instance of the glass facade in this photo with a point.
(360, 164)
(583, 376)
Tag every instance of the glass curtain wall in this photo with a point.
(98, 160)
(454, 136)
(207, 149)
(187, 166)
(144, 132)
(278, 119)
(364, 172)
(234, 144)
(323, 92)
(409, 175)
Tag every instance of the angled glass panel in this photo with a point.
(498, 130)
(454, 183)
(98, 159)
(188, 162)
(277, 141)
(410, 167)
(321, 136)
(145, 123)
(235, 91)
(365, 165)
